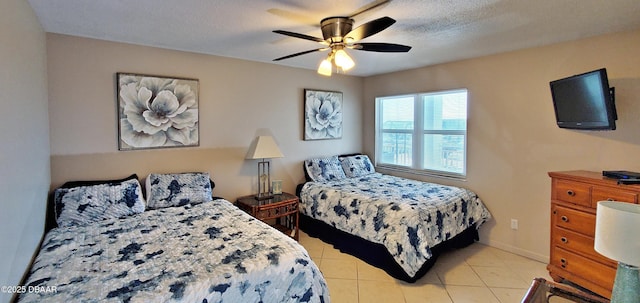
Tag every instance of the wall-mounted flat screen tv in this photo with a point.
(585, 101)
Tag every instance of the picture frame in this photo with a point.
(157, 111)
(322, 114)
(276, 187)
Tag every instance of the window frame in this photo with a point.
(418, 132)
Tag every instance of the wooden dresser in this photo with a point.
(574, 196)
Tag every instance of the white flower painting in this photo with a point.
(155, 112)
(322, 115)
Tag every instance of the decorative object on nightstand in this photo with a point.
(264, 147)
(617, 225)
(282, 208)
(276, 187)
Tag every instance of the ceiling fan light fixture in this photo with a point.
(338, 33)
(343, 60)
(325, 67)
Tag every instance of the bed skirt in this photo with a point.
(376, 254)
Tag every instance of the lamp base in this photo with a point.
(626, 288)
(264, 181)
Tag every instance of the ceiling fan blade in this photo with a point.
(370, 28)
(382, 47)
(368, 7)
(302, 53)
(301, 36)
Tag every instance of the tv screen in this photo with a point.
(584, 101)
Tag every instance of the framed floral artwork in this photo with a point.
(322, 114)
(156, 112)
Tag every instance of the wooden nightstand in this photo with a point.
(282, 208)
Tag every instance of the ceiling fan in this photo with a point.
(338, 34)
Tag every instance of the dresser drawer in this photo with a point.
(585, 268)
(573, 192)
(575, 242)
(612, 194)
(575, 220)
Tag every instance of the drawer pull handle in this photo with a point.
(564, 263)
(564, 219)
(564, 240)
(571, 193)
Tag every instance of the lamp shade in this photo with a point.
(343, 60)
(264, 147)
(325, 67)
(617, 227)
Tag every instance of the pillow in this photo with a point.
(167, 190)
(83, 205)
(52, 215)
(357, 166)
(324, 169)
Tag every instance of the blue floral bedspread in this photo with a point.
(407, 216)
(210, 252)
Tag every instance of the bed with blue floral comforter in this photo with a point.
(209, 252)
(408, 217)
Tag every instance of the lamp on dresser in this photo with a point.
(264, 147)
(617, 238)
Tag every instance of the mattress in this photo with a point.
(209, 252)
(407, 216)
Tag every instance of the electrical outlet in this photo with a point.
(514, 224)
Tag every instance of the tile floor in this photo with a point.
(477, 273)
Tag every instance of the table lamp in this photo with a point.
(617, 238)
(264, 147)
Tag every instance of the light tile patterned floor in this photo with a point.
(477, 273)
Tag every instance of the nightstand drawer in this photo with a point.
(610, 194)
(575, 220)
(573, 192)
(595, 272)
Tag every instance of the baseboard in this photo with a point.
(518, 251)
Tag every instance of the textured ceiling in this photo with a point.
(439, 31)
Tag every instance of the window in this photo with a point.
(424, 133)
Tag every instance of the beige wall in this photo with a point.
(238, 100)
(512, 137)
(24, 152)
